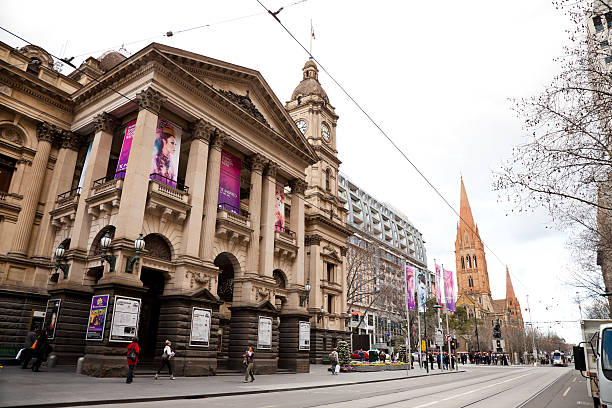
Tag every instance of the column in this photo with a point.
(21, 168)
(23, 230)
(258, 163)
(104, 126)
(211, 195)
(196, 181)
(298, 187)
(266, 250)
(61, 182)
(136, 184)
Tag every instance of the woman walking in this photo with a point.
(167, 360)
(41, 351)
(133, 350)
(249, 359)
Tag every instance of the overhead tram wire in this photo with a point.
(367, 115)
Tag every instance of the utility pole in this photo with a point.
(535, 350)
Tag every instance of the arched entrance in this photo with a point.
(228, 265)
(154, 280)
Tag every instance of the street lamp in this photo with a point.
(59, 256)
(139, 245)
(304, 298)
(105, 242)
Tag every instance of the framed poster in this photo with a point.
(125, 319)
(304, 343)
(97, 318)
(52, 317)
(264, 333)
(200, 327)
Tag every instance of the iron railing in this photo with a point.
(118, 175)
(169, 182)
(68, 194)
(231, 208)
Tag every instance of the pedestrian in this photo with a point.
(28, 350)
(41, 350)
(361, 354)
(249, 359)
(382, 356)
(133, 350)
(333, 358)
(167, 360)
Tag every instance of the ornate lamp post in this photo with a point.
(59, 256)
(304, 298)
(105, 242)
(139, 245)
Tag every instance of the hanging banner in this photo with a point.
(279, 208)
(449, 291)
(422, 290)
(229, 182)
(124, 326)
(438, 284)
(51, 317)
(82, 177)
(410, 287)
(128, 135)
(200, 327)
(264, 333)
(304, 336)
(166, 152)
(97, 318)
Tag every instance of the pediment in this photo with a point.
(204, 294)
(245, 89)
(267, 305)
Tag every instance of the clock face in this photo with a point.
(325, 132)
(302, 125)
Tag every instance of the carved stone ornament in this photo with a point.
(257, 162)
(202, 130)
(271, 169)
(198, 280)
(312, 240)
(11, 134)
(343, 251)
(298, 186)
(104, 123)
(151, 100)
(220, 139)
(45, 132)
(245, 102)
(70, 140)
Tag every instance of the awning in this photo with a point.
(356, 313)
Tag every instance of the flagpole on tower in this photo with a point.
(312, 36)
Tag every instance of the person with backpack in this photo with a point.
(249, 359)
(132, 358)
(333, 357)
(167, 360)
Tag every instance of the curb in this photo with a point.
(218, 394)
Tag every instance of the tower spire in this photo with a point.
(509, 288)
(465, 212)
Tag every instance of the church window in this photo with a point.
(470, 282)
(468, 262)
(475, 264)
(327, 180)
(462, 263)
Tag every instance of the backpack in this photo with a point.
(132, 355)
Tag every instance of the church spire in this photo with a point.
(465, 212)
(509, 288)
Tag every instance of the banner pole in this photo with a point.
(407, 341)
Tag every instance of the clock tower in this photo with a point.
(325, 228)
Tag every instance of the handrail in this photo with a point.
(118, 175)
(169, 182)
(284, 229)
(231, 208)
(68, 194)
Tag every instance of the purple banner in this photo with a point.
(279, 208)
(166, 152)
(410, 287)
(97, 318)
(449, 291)
(128, 135)
(229, 182)
(438, 284)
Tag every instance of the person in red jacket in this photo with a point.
(132, 358)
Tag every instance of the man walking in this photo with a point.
(249, 359)
(167, 360)
(26, 353)
(132, 359)
(333, 357)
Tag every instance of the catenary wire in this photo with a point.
(389, 139)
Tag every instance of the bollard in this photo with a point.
(79, 366)
(52, 361)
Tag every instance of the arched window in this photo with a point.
(157, 247)
(468, 262)
(279, 278)
(462, 263)
(327, 180)
(475, 264)
(470, 282)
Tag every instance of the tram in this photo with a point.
(558, 359)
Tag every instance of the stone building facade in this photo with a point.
(198, 159)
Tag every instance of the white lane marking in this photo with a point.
(470, 392)
(566, 391)
(574, 379)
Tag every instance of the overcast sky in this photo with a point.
(436, 76)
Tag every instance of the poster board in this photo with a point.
(304, 336)
(126, 312)
(52, 317)
(97, 318)
(200, 327)
(264, 333)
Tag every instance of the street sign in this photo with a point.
(448, 337)
(439, 337)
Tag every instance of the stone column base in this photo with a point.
(290, 356)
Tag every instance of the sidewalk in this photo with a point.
(60, 386)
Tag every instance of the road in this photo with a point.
(477, 387)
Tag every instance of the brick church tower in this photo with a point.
(512, 304)
(472, 274)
